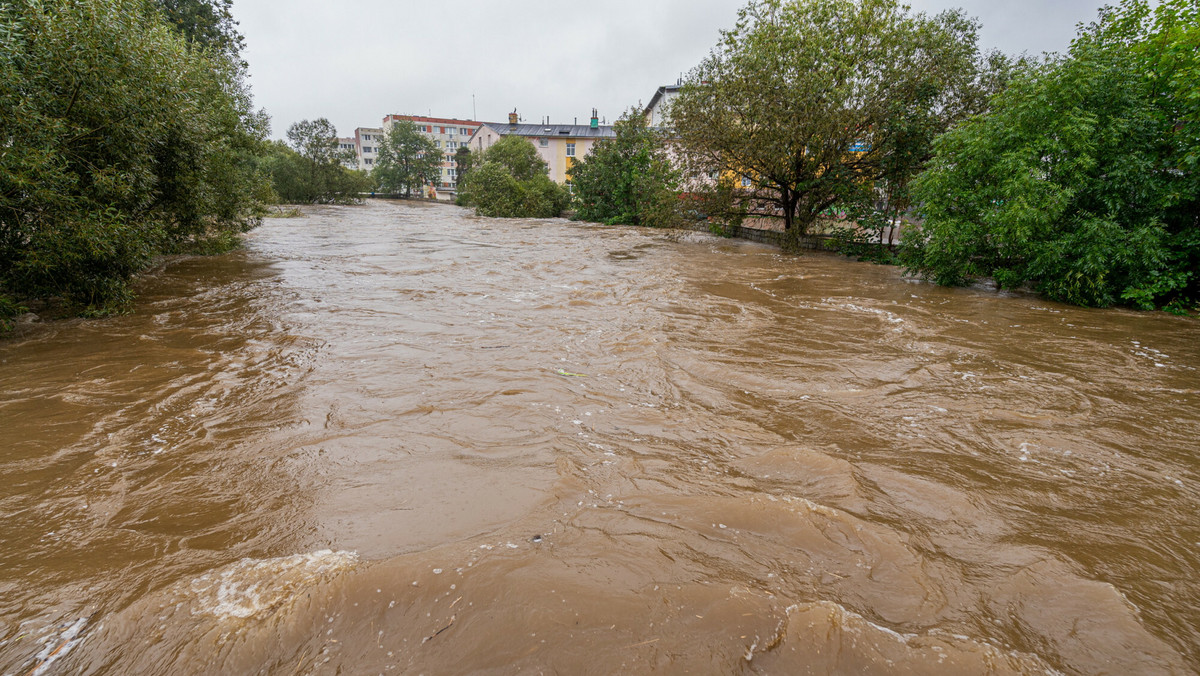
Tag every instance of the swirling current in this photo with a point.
(398, 438)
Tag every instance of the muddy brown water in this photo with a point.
(397, 438)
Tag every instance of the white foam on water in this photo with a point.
(57, 645)
(253, 588)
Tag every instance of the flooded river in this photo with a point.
(397, 438)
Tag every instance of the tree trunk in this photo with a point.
(788, 201)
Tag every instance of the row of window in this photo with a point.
(450, 131)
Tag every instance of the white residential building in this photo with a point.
(345, 143)
(366, 145)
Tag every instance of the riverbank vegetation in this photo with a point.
(1077, 176)
(1084, 179)
(127, 132)
(311, 169)
(628, 179)
(408, 160)
(509, 180)
(808, 105)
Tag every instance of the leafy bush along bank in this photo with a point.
(1084, 180)
(122, 139)
(509, 181)
(312, 170)
(628, 179)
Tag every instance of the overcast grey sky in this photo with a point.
(357, 60)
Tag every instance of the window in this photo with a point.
(451, 172)
(368, 161)
(366, 137)
(437, 143)
(368, 149)
(570, 150)
(464, 130)
(543, 142)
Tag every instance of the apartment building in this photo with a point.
(347, 143)
(558, 144)
(366, 145)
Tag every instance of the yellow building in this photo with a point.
(560, 145)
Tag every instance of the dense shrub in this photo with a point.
(511, 182)
(1084, 179)
(628, 179)
(122, 140)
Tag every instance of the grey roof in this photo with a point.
(552, 130)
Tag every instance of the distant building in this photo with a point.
(655, 111)
(449, 134)
(559, 144)
(347, 143)
(366, 144)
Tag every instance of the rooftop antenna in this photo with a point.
(474, 115)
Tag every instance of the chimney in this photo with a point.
(512, 118)
(595, 119)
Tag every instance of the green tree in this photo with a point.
(511, 182)
(121, 141)
(518, 156)
(799, 106)
(313, 169)
(208, 23)
(407, 160)
(299, 179)
(1082, 180)
(629, 178)
(463, 161)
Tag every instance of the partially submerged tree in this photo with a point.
(629, 178)
(407, 160)
(511, 182)
(806, 103)
(1084, 179)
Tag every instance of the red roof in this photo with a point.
(430, 120)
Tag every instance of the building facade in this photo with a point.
(345, 143)
(366, 144)
(560, 145)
